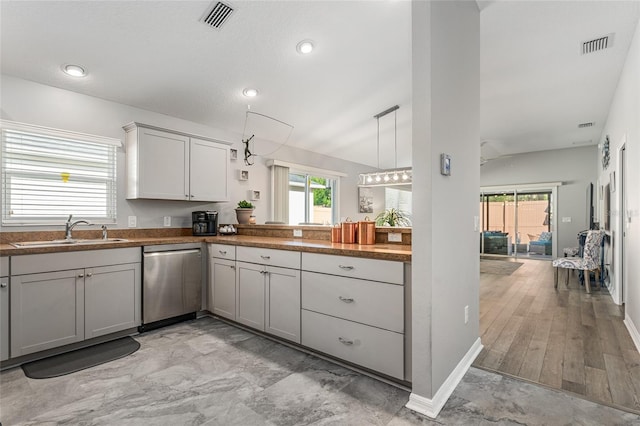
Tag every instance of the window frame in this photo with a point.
(35, 131)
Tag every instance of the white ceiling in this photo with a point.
(535, 84)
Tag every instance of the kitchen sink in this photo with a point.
(58, 243)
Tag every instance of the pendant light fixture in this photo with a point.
(395, 176)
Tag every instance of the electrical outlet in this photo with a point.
(466, 314)
(566, 219)
(297, 232)
(167, 221)
(394, 237)
(133, 221)
(476, 223)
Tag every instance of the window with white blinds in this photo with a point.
(48, 175)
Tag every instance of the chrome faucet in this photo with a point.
(70, 225)
(104, 232)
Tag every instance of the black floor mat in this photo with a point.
(70, 362)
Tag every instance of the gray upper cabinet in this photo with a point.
(167, 165)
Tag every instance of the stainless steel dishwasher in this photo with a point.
(171, 284)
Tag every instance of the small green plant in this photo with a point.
(244, 204)
(393, 217)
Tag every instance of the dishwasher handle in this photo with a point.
(167, 253)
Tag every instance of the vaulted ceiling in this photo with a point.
(536, 85)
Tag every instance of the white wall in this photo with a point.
(623, 127)
(445, 266)
(573, 167)
(34, 103)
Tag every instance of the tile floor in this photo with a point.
(206, 372)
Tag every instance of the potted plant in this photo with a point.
(393, 217)
(244, 211)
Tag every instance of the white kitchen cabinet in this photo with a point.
(168, 165)
(4, 308)
(63, 298)
(268, 296)
(111, 294)
(222, 280)
(47, 311)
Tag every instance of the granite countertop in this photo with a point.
(397, 252)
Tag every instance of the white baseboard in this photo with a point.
(431, 407)
(633, 331)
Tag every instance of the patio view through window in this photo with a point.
(310, 199)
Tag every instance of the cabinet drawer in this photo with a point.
(222, 251)
(355, 267)
(370, 347)
(367, 302)
(282, 258)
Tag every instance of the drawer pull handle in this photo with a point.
(222, 252)
(345, 341)
(346, 267)
(3, 285)
(346, 299)
(265, 257)
(80, 275)
(89, 274)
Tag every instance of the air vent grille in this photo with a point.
(583, 125)
(597, 44)
(218, 15)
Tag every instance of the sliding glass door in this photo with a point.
(516, 223)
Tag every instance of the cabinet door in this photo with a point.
(209, 171)
(4, 318)
(47, 311)
(222, 288)
(112, 299)
(250, 290)
(283, 303)
(163, 162)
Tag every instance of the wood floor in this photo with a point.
(563, 338)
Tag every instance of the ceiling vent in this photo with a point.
(217, 15)
(597, 44)
(583, 125)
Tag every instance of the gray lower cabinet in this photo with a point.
(52, 309)
(4, 309)
(47, 311)
(223, 287)
(110, 293)
(268, 299)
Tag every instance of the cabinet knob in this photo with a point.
(3, 285)
(186, 195)
(345, 341)
(80, 275)
(232, 267)
(222, 252)
(346, 299)
(345, 267)
(89, 274)
(265, 257)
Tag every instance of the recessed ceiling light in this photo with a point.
(74, 70)
(304, 47)
(250, 93)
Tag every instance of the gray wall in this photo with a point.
(623, 128)
(446, 111)
(573, 167)
(34, 103)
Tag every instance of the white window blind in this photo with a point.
(46, 176)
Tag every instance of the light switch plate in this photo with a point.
(133, 221)
(566, 219)
(394, 237)
(297, 232)
(167, 221)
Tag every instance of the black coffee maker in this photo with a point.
(205, 222)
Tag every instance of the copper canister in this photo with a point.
(336, 234)
(366, 231)
(349, 232)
